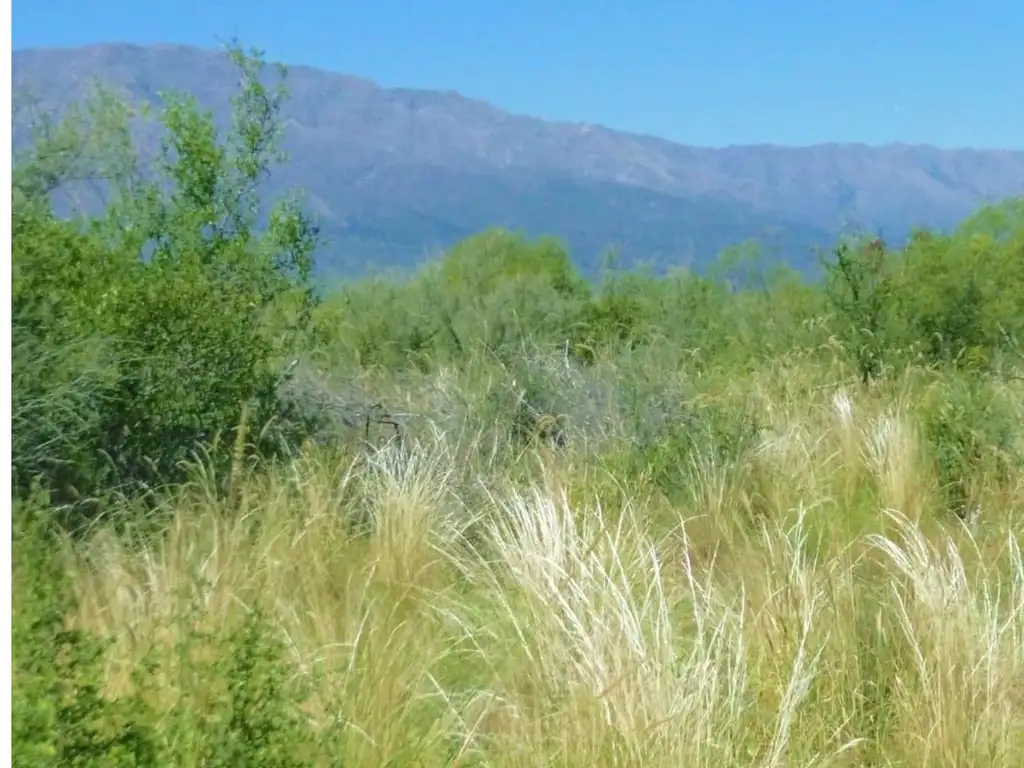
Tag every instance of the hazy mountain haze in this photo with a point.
(395, 171)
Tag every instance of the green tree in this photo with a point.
(859, 287)
(191, 301)
(961, 295)
(497, 288)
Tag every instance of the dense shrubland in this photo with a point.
(490, 513)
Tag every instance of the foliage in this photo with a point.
(970, 430)
(961, 294)
(185, 336)
(63, 714)
(859, 287)
(617, 521)
(59, 711)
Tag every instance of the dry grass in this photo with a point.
(805, 606)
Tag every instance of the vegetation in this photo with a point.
(491, 514)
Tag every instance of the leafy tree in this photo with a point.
(859, 287)
(484, 262)
(190, 300)
(961, 295)
(499, 288)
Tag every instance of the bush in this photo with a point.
(859, 286)
(954, 301)
(496, 289)
(961, 295)
(62, 715)
(185, 338)
(59, 712)
(970, 433)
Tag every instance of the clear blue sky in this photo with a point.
(717, 72)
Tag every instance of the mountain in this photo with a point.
(396, 172)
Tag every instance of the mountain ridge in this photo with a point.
(401, 171)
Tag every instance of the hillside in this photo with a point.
(396, 172)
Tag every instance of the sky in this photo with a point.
(711, 73)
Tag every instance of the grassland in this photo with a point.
(492, 514)
(800, 596)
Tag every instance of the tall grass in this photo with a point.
(798, 595)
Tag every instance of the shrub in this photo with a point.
(190, 334)
(961, 294)
(970, 433)
(60, 714)
(859, 286)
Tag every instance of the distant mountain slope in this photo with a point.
(394, 172)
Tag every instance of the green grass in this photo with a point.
(652, 522)
(800, 597)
